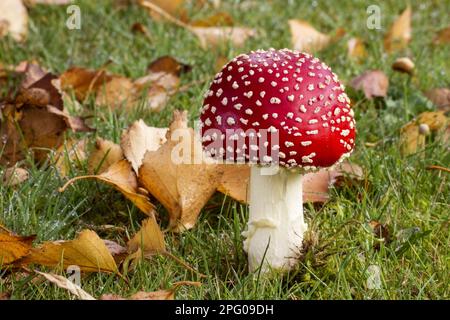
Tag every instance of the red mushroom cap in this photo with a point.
(285, 92)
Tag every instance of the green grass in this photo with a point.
(398, 191)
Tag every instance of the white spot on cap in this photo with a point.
(275, 100)
(248, 94)
(249, 111)
(306, 143)
(224, 101)
(261, 80)
(238, 106)
(291, 97)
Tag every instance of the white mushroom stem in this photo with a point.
(276, 224)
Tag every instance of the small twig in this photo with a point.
(64, 187)
(438, 168)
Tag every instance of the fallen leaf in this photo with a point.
(356, 49)
(207, 36)
(121, 176)
(305, 38)
(215, 20)
(83, 82)
(66, 284)
(374, 83)
(440, 98)
(172, 7)
(13, 247)
(167, 64)
(104, 155)
(178, 176)
(404, 65)
(149, 239)
(168, 294)
(87, 251)
(14, 176)
(48, 2)
(5, 296)
(118, 252)
(442, 36)
(381, 232)
(117, 93)
(316, 185)
(70, 154)
(234, 181)
(13, 19)
(412, 134)
(399, 34)
(140, 138)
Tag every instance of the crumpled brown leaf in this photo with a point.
(183, 188)
(413, 134)
(66, 284)
(374, 83)
(442, 36)
(168, 294)
(104, 155)
(316, 185)
(35, 120)
(140, 138)
(400, 33)
(13, 19)
(306, 38)
(356, 49)
(14, 176)
(13, 247)
(209, 36)
(404, 64)
(440, 97)
(87, 251)
(121, 176)
(149, 240)
(71, 153)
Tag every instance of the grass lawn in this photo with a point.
(398, 191)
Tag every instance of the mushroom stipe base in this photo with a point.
(276, 224)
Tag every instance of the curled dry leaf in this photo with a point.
(440, 97)
(13, 247)
(83, 82)
(148, 241)
(399, 34)
(66, 284)
(412, 134)
(70, 154)
(168, 294)
(14, 176)
(178, 175)
(374, 83)
(316, 185)
(442, 36)
(48, 2)
(35, 120)
(404, 65)
(173, 7)
(217, 19)
(87, 251)
(104, 154)
(306, 38)
(13, 19)
(140, 138)
(207, 36)
(356, 49)
(121, 176)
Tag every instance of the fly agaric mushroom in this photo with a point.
(301, 103)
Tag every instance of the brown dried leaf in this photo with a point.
(168, 64)
(87, 251)
(13, 247)
(440, 97)
(436, 120)
(184, 187)
(442, 36)
(140, 138)
(66, 284)
(48, 2)
(71, 153)
(118, 92)
(216, 20)
(121, 176)
(356, 49)
(148, 240)
(305, 38)
(374, 83)
(172, 7)
(104, 155)
(168, 294)
(82, 81)
(316, 185)
(14, 176)
(399, 34)
(13, 19)
(215, 36)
